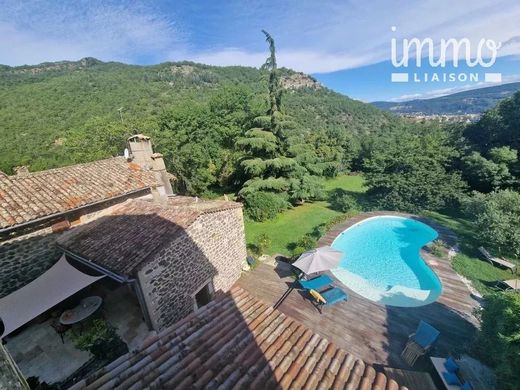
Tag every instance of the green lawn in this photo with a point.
(468, 262)
(291, 225)
(348, 183)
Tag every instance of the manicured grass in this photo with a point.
(469, 262)
(291, 225)
(348, 183)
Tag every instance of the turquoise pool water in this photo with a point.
(382, 261)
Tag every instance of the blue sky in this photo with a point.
(345, 44)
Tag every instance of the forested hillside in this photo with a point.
(55, 114)
(474, 101)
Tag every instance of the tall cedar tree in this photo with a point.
(268, 165)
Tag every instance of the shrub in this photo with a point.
(263, 243)
(497, 343)
(100, 339)
(340, 200)
(338, 219)
(260, 206)
(437, 248)
(497, 219)
(307, 242)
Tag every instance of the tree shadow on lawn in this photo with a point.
(364, 200)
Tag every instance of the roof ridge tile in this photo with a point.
(47, 193)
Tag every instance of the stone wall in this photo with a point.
(26, 256)
(211, 250)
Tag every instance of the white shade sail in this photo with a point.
(57, 284)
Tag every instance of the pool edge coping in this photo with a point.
(445, 234)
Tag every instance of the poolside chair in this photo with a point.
(328, 297)
(497, 261)
(419, 343)
(511, 284)
(317, 283)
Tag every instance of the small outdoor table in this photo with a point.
(86, 308)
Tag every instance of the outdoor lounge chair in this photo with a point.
(497, 261)
(328, 297)
(511, 284)
(419, 343)
(317, 283)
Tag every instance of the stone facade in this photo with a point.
(29, 254)
(210, 251)
(26, 257)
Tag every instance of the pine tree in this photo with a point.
(269, 166)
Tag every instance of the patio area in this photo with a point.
(370, 331)
(39, 351)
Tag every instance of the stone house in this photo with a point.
(35, 207)
(119, 217)
(176, 254)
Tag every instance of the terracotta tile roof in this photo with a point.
(125, 236)
(28, 197)
(237, 342)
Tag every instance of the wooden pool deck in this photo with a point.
(373, 332)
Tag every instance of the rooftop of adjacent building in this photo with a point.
(29, 197)
(237, 341)
(127, 234)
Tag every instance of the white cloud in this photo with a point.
(334, 36)
(32, 32)
(303, 61)
(311, 37)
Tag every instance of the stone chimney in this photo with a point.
(141, 152)
(161, 174)
(21, 170)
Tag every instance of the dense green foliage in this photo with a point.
(56, 114)
(486, 175)
(263, 205)
(270, 166)
(498, 343)
(341, 200)
(415, 167)
(497, 127)
(409, 168)
(497, 219)
(100, 339)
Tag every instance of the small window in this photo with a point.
(203, 297)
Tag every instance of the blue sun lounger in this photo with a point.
(333, 295)
(328, 297)
(316, 283)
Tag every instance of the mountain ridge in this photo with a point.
(41, 105)
(474, 101)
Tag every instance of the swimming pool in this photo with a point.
(383, 264)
